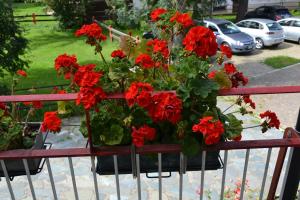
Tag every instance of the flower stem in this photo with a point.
(228, 108)
(102, 57)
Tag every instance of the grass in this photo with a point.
(278, 62)
(21, 9)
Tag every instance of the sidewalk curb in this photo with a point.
(277, 70)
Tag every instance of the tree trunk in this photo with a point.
(242, 9)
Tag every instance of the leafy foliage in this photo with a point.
(12, 43)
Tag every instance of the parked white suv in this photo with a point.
(264, 31)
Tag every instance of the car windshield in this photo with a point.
(229, 28)
(274, 26)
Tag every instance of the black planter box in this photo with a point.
(148, 164)
(16, 167)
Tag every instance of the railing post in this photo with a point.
(293, 173)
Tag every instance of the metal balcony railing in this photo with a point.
(290, 140)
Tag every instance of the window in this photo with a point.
(260, 11)
(213, 28)
(285, 22)
(254, 25)
(274, 26)
(296, 24)
(229, 28)
(242, 24)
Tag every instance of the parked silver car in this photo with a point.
(227, 33)
(265, 32)
(291, 28)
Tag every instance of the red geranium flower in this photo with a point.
(226, 50)
(35, 104)
(229, 68)
(145, 61)
(159, 46)
(139, 93)
(22, 73)
(92, 31)
(166, 106)
(2, 106)
(51, 122)
(237, 79)
(90, 96)
(182, 18)
(247, 99)
(271, 120)
(143, 133)
(201, 40)
(118, 54)
(212, 74)
(85, 77)
(155, 14)
(210, 128)
(66, 64)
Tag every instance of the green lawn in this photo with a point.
(21, 9)
(278, 62)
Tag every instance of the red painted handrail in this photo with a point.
(228, 92)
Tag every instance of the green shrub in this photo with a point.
(70, 13)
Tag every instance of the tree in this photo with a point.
(242, 9)
(12, 43)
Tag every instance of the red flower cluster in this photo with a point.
(166, 106)
(226, 50)
(143, 133)
(247, 99)
(159, 46)
(139, 93)
(270, 121)
(86, 77)
(66, 65)
(2, 106)
(212, 74)
(237, 79)
(145, 61)
(51, 122)
(200, 40)
(34, 104)
(22, 73)
(182, 18)
(155, 14)
(229, 68)
(118, 54)
(90, 96)
(92, 31)
(210, 128)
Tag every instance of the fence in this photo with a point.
(291, 139)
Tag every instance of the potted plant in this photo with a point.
(18, 134)
(166, 93)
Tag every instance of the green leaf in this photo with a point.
(190, 146)
(234, 126)
(114, 136)
(223, 80)
(203, 87)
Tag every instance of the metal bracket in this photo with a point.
(133, 161)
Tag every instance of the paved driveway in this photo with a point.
(252, 64)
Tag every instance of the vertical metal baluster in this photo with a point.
(12, 195)
(138, 176)
(117, 176)
(95, 177)
(224, 174)
(298, 195)
(51, 178)
(261, 195)
(286, 171)
(159, 177)
(202, 174)
(181, 175)
(29, 178)
(73, 178)
(244, 174)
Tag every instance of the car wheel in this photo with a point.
(259, 44)
(299, 41)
